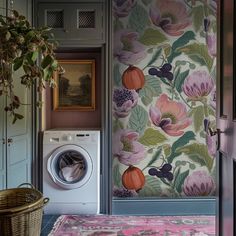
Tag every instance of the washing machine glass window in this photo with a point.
(70, 166)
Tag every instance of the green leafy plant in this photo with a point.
(29, 49)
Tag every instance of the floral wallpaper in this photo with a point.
(164, 98)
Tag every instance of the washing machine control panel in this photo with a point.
(67, 137)
(70, 137)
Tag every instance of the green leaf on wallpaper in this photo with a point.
(198, 116)
(197, 159)
(167, 50)
(152, 88)
(138, 19)
(180, 42)
(179, 80)
(118, 25)
(155, 83)
(152, 37)
(146, 2)
(117, 125)
(198, 53)
(155, 157)
(199, 151)
(155, 56)
(117, 75)
(183, 140)
(166, 149)
(146, 100)
(152, 187)
(138, 119)
(179, 181)
(197, 16)
(152, 137)
(116, 176)
(211, 111)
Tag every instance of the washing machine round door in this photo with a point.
(70, 166)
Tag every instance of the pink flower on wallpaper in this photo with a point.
(211, 144)
(197, 85)
(169, 115)
(127, 49)
(211, 44)
(123, 101)
(126, 147)
(122, 8)
(170, 15)
(199, 183)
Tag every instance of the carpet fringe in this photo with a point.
(56, 225)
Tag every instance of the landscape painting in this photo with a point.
(75, 86)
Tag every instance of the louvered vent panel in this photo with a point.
(55, 19)
(86, 19)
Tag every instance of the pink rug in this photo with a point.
(103, 225)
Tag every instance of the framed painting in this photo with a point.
(75, 86)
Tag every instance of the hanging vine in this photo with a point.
(29, 49)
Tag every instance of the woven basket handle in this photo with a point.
(26, 184)
(45, 201)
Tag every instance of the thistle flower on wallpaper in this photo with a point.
(170, 116)
(198, 85)
(126, 147)
(199, 183)
(211, 43)
(170, 15)
(121, 8)
(123, 101)
(127, 49)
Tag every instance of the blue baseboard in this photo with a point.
(181, 206)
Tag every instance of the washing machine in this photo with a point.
(71, 171)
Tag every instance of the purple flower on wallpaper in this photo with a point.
(171, 116)
(170, 15)
(199, 183)
(127, 49)
(211, 44)
(122, 8)
(197, 85)
(126, 147)
(213, 98)
(123, 101)
(123, 192)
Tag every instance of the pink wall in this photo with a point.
(76, 119)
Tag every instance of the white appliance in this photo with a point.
(71, 171)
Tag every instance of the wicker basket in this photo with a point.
(21, 211)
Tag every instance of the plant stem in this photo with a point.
(184, 100)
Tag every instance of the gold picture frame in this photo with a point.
(75, 86)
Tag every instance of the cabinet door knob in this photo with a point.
(3, 141)
(66, 30)
(9, 140)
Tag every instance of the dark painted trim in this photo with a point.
(181, 206)
(106, 177)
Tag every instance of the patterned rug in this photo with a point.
(103, 225)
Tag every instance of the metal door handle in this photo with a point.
(216, 132)
(9, 140)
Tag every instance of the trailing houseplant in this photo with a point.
(25, 48)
